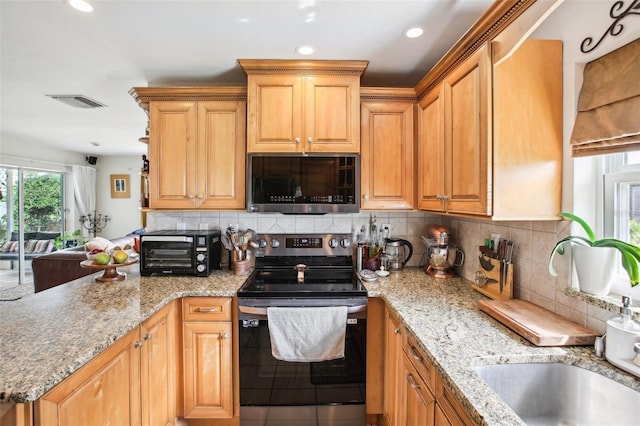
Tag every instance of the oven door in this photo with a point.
(266, 381)
(166, 257)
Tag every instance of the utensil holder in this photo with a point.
(238, 262)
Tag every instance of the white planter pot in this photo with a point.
(595, 267)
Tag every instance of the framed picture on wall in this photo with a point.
(120, 186)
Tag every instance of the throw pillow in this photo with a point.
(30, 245)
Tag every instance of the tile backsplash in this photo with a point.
(534, 241)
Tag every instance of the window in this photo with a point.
(621, 212)
(31, 208)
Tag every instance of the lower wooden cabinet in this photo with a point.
(393, 371)
(158, 368)
(127, 384)
(415, 394)
(208, 361)
(417, 400)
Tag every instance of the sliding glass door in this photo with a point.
(31, 217)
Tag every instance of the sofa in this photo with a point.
(59, 267)
(35, 244)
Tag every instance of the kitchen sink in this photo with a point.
(559, 394)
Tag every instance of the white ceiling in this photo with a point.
(48, 48)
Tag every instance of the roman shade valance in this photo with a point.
(608, 117)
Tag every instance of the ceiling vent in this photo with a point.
(78, 101)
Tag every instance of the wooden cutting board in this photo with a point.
(538, 325)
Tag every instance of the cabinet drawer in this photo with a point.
(206, 309)
(450, 406)
(418, 359)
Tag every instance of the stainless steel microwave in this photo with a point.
(303, 184)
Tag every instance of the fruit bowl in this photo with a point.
(110, 271)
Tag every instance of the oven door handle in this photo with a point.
(251, 310)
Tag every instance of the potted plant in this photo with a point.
(67, 240)
(595, 260)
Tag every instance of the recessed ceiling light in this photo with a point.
(305, 50)
(414, 32)
(81, 5)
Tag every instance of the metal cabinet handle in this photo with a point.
(415, 355)
(412, 382)
(205, 310)
(147, 336)
(137, 344)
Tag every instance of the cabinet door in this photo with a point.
(105, 391)
(387, 153)
(208, 370)
(467, 136)
(419, 403)
(221, 154)
(172, 155)
(274, 113)
(393, 372)
(331, 114)
(431, 160)
(157, 369)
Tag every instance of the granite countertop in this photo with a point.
(456, 336)
(47, 336)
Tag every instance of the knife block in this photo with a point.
(496, 272)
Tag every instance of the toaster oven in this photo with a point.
(195, 253)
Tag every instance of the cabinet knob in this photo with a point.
(365, 197)
(200, 197)
(445, 197)
(147, 336)
(137, 344)
(396, 330)
(190, 197)
(309, 140)
(225, 336)
(297, 140)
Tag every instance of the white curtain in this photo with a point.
(84, 189)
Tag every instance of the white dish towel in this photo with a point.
(309, 334)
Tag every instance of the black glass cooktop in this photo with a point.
(323, 282)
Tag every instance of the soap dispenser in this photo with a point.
(623, 333)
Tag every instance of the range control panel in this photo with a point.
(305, 245)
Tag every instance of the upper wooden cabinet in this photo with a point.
(303, 106)
(490, 136)
(196, 147)
(387, 149)
(453, 141)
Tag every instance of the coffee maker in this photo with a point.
(442, 255)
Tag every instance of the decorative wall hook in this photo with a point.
(618, 12)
